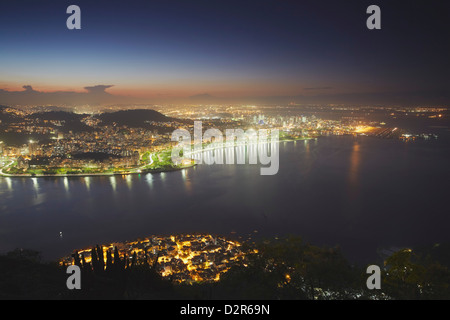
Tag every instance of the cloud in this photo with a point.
(95, 95)
(98, 89)
(28, 88)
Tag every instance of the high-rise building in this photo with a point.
(136, 158)
(32, 148)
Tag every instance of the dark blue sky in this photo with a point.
(230, 49)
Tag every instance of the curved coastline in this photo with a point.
(58, 175)
(135, 171)
(144, 171)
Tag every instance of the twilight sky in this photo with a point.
(243, 50)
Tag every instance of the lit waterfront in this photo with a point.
(379, 193)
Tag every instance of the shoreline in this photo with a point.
(142, 171)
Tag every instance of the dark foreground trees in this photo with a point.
(290, 269)
(278, 269)
(119, 277)
(24, 276)
(423, 273)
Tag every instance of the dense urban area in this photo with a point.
(40, 141)
(37, 141)
(182, 258)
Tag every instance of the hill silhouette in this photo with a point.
(5, 117)
(72, 121)
(69, 121)
(136, 118)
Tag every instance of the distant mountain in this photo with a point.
(203, 98)
(58, 115)
(6, 117)
(138, 118)
(72, 121)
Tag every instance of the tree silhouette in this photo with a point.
(411, 275)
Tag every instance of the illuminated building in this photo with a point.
(184, 258)
(32, 148)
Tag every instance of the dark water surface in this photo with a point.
(359, 193)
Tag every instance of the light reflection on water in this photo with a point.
(66, 184)
(354, 165)
(87, 182)
(358, 193)
(113, 182)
